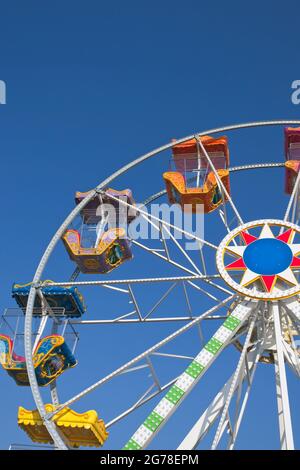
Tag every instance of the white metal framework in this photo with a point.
(258, 327)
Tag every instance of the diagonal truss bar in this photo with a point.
(124, 291)
(195, 286)
(171, 355)
(168, 405)
(160, 300)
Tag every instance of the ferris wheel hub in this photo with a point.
(259, 259)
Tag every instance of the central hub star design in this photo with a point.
(266, 258)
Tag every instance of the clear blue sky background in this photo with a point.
(92, 85)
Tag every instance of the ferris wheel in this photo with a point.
(225, 297)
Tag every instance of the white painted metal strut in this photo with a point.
(284, 413)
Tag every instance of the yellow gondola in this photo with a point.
(78, 429)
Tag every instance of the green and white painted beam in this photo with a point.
(192, 374)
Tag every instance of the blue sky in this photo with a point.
(91, 86)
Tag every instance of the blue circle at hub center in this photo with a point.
(268, 256)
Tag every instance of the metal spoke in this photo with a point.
(124, 319)
(176, 356)
(113, 282)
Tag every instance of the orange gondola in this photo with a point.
(194, 184)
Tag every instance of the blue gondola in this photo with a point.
(66, 299)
